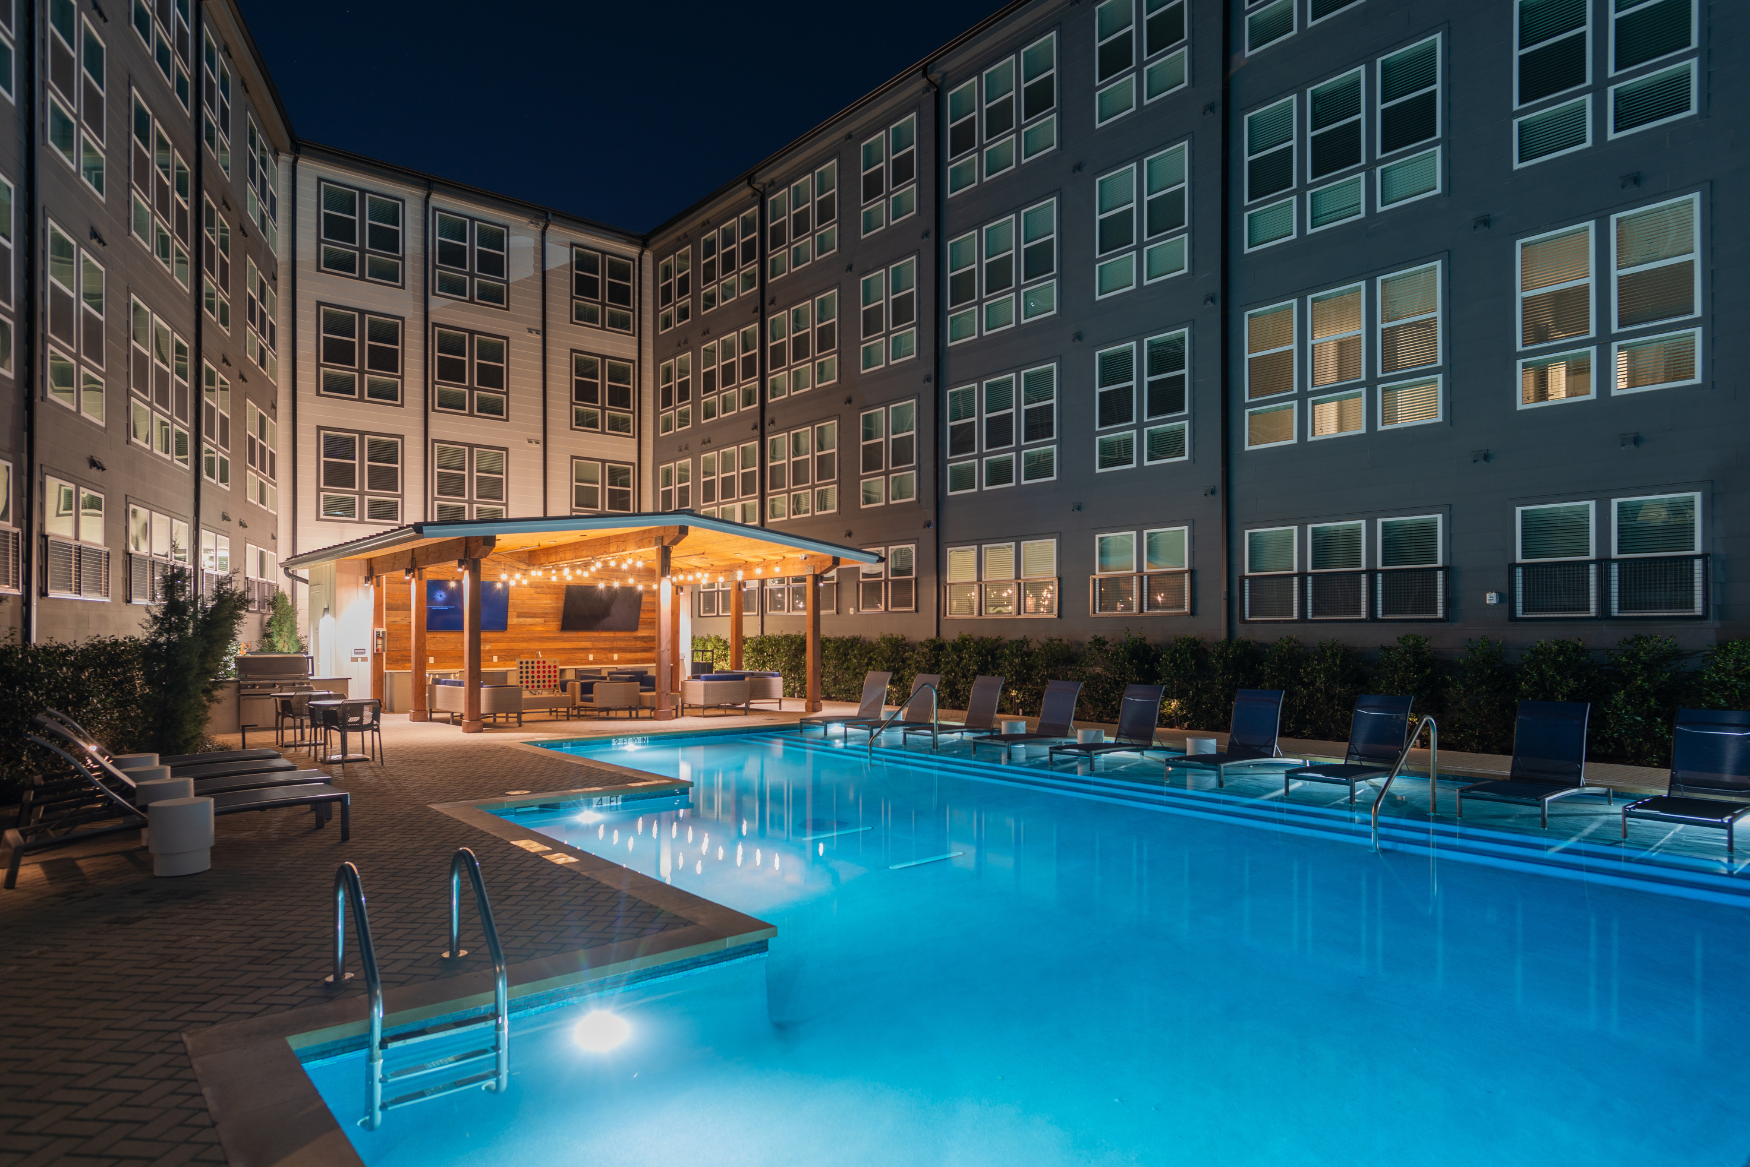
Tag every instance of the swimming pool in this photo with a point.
(977, 966)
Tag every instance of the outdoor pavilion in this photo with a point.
(659, 554)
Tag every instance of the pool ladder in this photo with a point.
(378, 1074)
(1403, 755)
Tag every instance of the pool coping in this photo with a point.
(265, 1106)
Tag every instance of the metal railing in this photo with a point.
(1403, 756)
(1659, 587)
(935, 719)
(348, 889)
(464, 859)
(1372, 595)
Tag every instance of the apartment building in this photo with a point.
(1215, 317)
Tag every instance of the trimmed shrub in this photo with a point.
(1559, 670)
(1633, 721)
(1331, 678)
(1483, 699)
(1723, 681)
(189, 649)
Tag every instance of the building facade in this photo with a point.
(1249, 317)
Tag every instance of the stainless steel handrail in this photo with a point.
(935, 719)
(465, 859)
(1403, 755)
(348, 888)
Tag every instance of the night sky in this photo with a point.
(623, 113)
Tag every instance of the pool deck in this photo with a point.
(107, 969)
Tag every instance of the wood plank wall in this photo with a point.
(533, 632)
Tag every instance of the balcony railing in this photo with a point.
(1006, 599)
(1385, 594)
(1148, 593)
(1653, 587)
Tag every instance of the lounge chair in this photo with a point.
(874, 701)
(1549, 759)
(189, 765)
(1710, 756)
(1139, 711)
(111, 796)
(1376, 741)
(911, 713)
(981, 712)
(173, 761)
(1057, 720)
(1257, 718)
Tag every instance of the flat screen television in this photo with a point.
(592, 608)
(443, 606)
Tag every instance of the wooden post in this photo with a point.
(679, 651)
(420, 711)
(471, 648)
(735, 628)
(379, 633)
(812, 704)
(667, 624)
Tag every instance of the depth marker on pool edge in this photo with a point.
(931, 859)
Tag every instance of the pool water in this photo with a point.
(978, 966)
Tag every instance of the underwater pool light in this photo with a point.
(600, 1031)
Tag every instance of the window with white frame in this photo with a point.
(160, 193)
(1144, 572)
(215, 559)
(360, 355)
(1115, 405)
(1335, 148)
(261, 457)
(729, 370)
(360, 477)
(468, 482)
(164, 30)
(1128, 33)
(674, 486)
(601, 290)
(729, 260)
(1555, 306)
(603, 394)
(1004, 117)
(1270, 167)
(157, 545)
(361, 233)
(216, 99)
(998, 580)
(261, 186)
(1658, 524)
(215, 426)
(158, 404)
(802, 472)
(1409, 340)
(1004, 273)
(76, 87)
(1007, 419)
(11, 538)
(7, 54)
(261, 311)
(1409, 119)
(1271, 371)
(725, 474)
(1268, 21)
(468, 372)
(469, 262)
(216, 260)
(802, 221)
(1166, 402)
(674, 289)
(887, 454)
(1656, 283)
(890, 585)
(601, 486)
(890, 170)
(802, 346)
(888, 299)
(1555, 531)
(75, 294)
(6, 230)
(1270, 589)
(77, 556)
(674, 394)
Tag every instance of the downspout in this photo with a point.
(1229, 626)
(937, 478)
(759, 214)
(425, 381)
(542, 269)
(197, 387)
(293, 460)
(27, 370)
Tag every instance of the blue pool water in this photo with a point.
(1107, 973)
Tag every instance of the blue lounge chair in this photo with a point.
(916, 708)
(1549, 759)
(1251, 737)
(1139, 711)
(981, 712)
(1376, 740)
(874, 701)
(1057, 720)
(1710, 758)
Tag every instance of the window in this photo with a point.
(1158, 44)
(1409, 542)
(1555, 286)
(674, 486)
(995, 422)
(802, 220)
(160, 193)
(601, 290)
(891, 585)
(1665, 524)
(1164, 396)
(469, 262)
(157, 545)
(729, 368)
(888, 443)
(1268, 23)
(216, 260)
(1270, 361)
(674, 388)
(1010, 109)
(6, 50)
(1270, 169)
(1115, 386)
(216, 100)
(360, 351)
(215, 558)
(158, 406)
(1008, 585)
(890, 167)
(801, 348)
(361, 234)
(674, 289)
(1409, 319)
(1653, 100)
(601, 486)
(260, 575)
(1657, 277)
(160, 29)
(75, 326)
(262, 457)
(1337, 355)
(1165, 214)
(1013, 252)
(1270, 588)
(723, 474)
(803, 458)
(729, 260)
(1659, 569)
(1552, 42)
(11, 543)
(1115, 232)
(215, 426)
(468, 482)
(360, 478)
(889, 315)
(76, 94)
(77, 557)
(261, 189)
(1561, 531)
(1546, 380)
(261, 310)
(6, 259)
(602, 394)
(1158, 584)
(468, 372)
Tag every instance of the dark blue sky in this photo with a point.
(625, 113)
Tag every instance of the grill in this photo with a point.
(262, 674)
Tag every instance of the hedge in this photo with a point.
(1634, 688)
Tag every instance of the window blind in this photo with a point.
(1409, 542)
(1164, 550)
(1563, 531)
(1271, 550)
(1656, 526)
(1039, 557)
(1335, 546)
